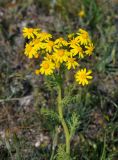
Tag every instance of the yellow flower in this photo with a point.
(37, 44)
(61, 42)
(30, 52)
(82, 76)
(81, 13)
(60, 55)
(83, 37)
(90, 49)
(30, 32)
(77, 50)
(71, 63)
(48, 46)
(47, 67)
(44, 36)
(74, 42)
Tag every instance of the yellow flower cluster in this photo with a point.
(59, 52)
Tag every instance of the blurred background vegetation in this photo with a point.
(24, 131)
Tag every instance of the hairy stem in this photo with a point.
(64, 125)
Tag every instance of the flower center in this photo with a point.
(46, 65)
(61, 53)
(50, 43)
(30, 30)
(83, 76)
(85, 35)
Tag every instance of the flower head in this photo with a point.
(61, 42)
(48, 46)
(73, 42)
(47, 67)
(43, 36)
(71, 63)
(30, 51)
(77, 50)
(30, 32)
(60, 55)
(89, 48)
(37, 44)
(83, 37)
(82, 76)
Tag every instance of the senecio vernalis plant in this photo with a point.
(56, 57)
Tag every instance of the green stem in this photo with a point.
(65, 127)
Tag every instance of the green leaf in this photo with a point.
(61, 153)
(73, 123)
(50, 113)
